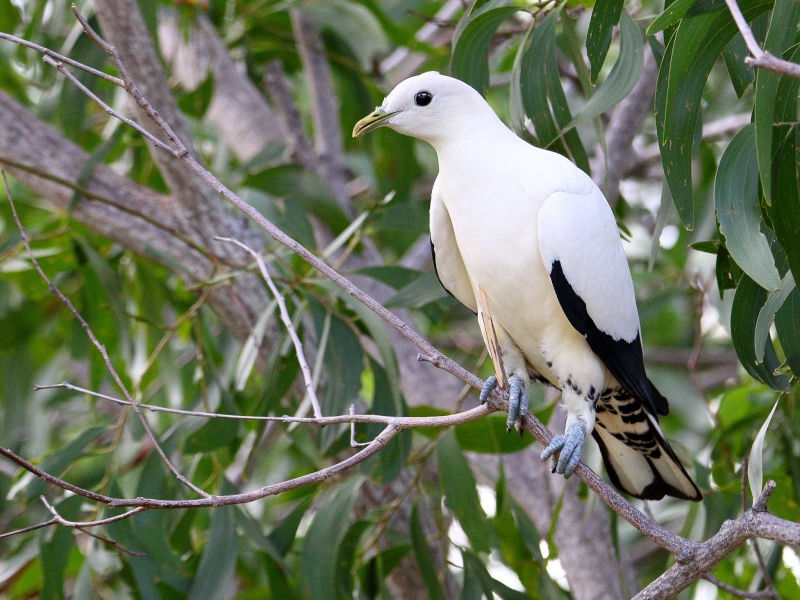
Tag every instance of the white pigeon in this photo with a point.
(538, 237)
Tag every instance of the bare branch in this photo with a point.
(61, 58)
(95, 342)
(83, 526)
(402, 422)
(287, 321)
(760, 59)
(736, 591)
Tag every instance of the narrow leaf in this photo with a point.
(470, 59)
(59, 461)
(780, 36)
(423, 290)
(422, 553)
(742, 74)
(671, 15)
(461, 493)
(218, 564)
(786, 198)
(755, 466)
(691, 54)
(737, 203)
(325, 535)
(605, 15)
(623, 76)
(787, 323)
(766, 315)
(747, 303)
(249, 353)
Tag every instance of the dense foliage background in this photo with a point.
(705, 187)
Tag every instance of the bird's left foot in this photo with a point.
(517, 399)
(569, 448)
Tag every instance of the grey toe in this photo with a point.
(488, 386)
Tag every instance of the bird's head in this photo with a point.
(430, 107)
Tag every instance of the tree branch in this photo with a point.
(95, 342)
(760, 59)
(287, 321)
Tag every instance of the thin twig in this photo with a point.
(405, 422)
(353, 442)
(287, 321)
(95, 342)
(736, 591)
(61, 58)
(83, 526)
(760, 59)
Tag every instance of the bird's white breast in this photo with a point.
(493, 197)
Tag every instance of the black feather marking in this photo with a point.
(653, 491)
(623, 359)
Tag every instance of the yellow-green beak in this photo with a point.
(372, 121)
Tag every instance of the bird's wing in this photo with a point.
(583, 254)
(447, 259)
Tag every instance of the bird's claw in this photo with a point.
(488, 387)
(569, 449)
(517, 402)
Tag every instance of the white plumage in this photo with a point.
(538, 236)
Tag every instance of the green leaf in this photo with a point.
(691, 54)
(747, 303)
(742, 74)
(377, 331)
(389, 462)
(489, 436)
(355, 25)
(708, 246)
(282, 537)
(623, 76)
(535, 65)
(470, 59)
(461, 493)
(780, 36)
(488, 583)
(738, 211)
(214, 434)
(755, 466)
(60, 461)
(766, 315)
(218, 564)
(319, 557)
(392, 275)
(787, 324)
(249, 353)
(423, 290)
(671, 15)
(786, 199)
(422, 553)
(346, 558)
(196, 103)
(605, 15)
(55, 550)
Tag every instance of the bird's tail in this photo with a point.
(638, 458)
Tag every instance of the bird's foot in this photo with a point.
(517, 399)
(517, 403)
(568, 448)
(491, 383)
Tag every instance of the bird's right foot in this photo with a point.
(517, 398)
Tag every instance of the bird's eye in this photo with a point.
(423, 98)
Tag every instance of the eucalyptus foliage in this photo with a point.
(555, 72)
